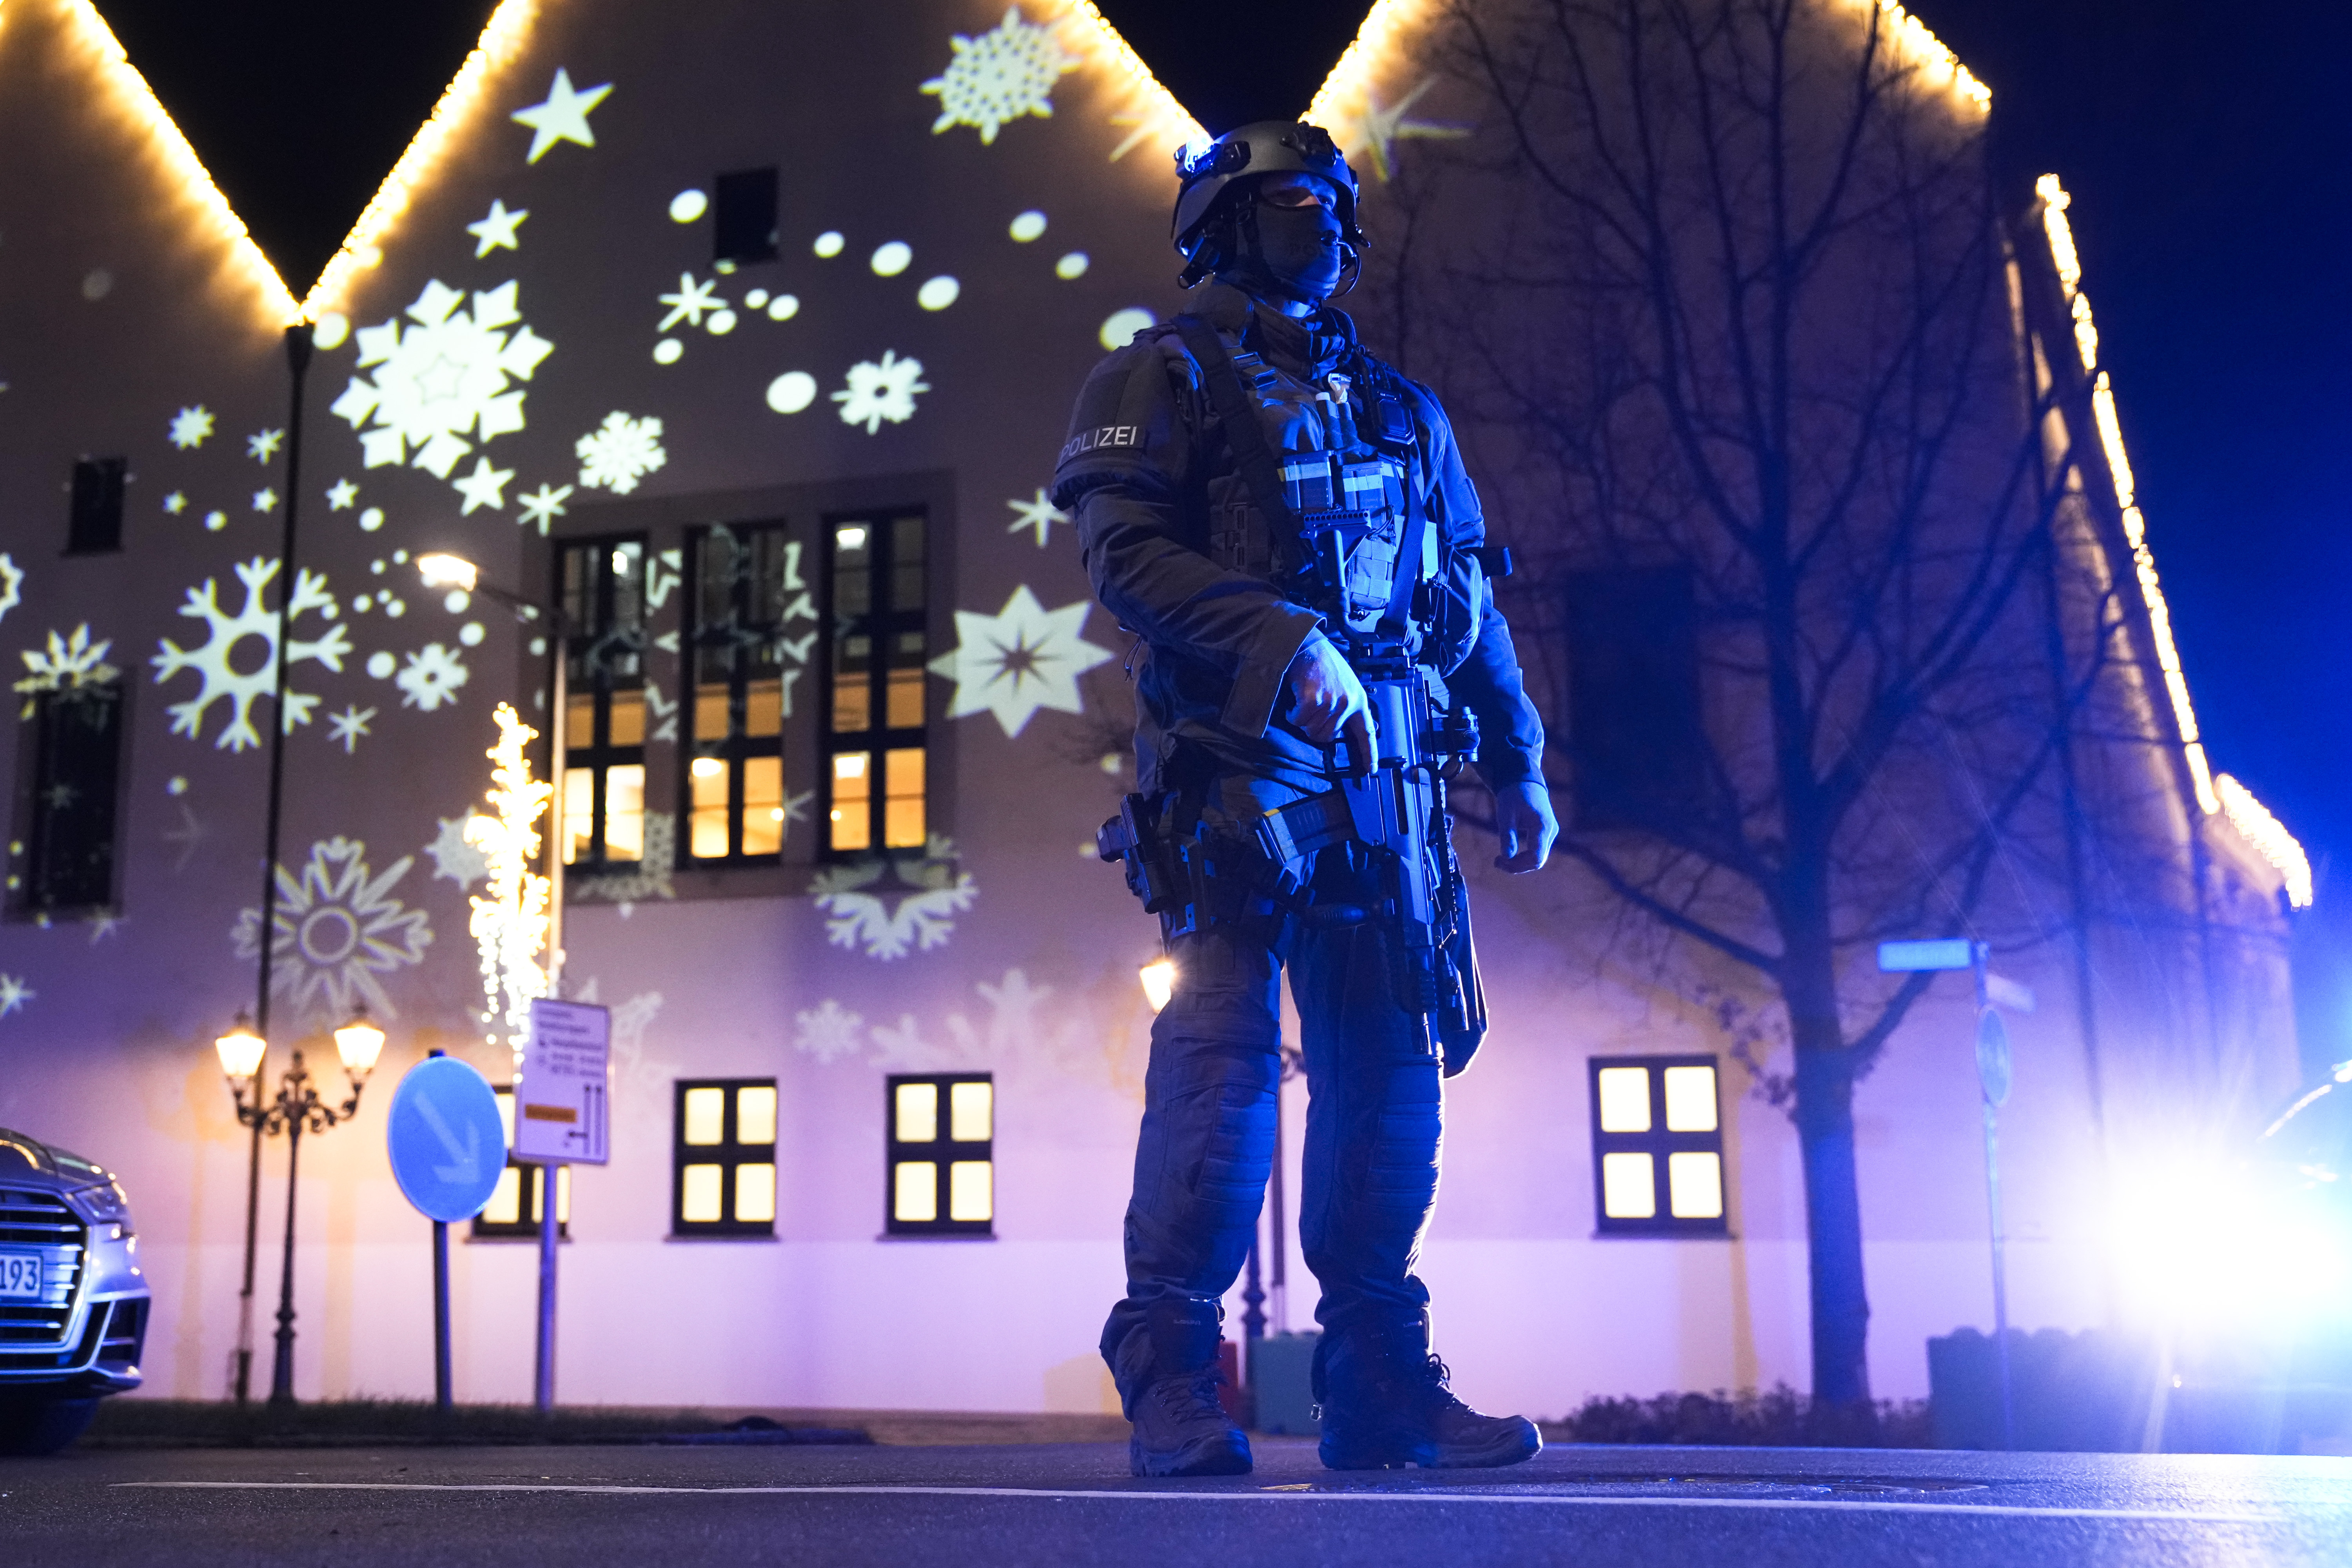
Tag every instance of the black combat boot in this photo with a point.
(1168, 1376)
(1385, 1405)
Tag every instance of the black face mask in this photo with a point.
(1294, 251)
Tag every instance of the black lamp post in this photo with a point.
(297, 1109)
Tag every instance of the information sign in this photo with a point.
(562, 1109)
(447, 1147)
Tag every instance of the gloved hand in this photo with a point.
(1523, 817)
(1328, 702)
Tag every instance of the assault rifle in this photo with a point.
(1398, 808)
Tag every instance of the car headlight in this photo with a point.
(105, 1204)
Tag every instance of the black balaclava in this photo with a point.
(1296, 252)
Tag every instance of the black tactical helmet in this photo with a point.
(1265, 147)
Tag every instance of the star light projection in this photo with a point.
(563, 116)
(496, 232)
(999, 76)
(1018, 660)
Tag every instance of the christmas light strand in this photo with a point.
(510, 925)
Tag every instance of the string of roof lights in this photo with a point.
(1375, 48)
(2223, 794)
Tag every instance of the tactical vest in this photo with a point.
(1346, 489)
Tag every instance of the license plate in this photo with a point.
(20, 1274)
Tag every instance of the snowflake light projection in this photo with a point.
(218, 671)
(348, 728)
(828, 1030)
(999, 76)
(857, 916)
(1041, 514)
(190, 427)
(1021, 659)
(12, 585)
(651, 879)
(616, 454)
(68, 664)
(542, 506)
(338, 928)
(455, 853)
(14, 995)
(430, 678)
(881, 390)
(690, 303)
(511, 915)
(442, 381)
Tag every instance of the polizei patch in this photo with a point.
(1101, 437)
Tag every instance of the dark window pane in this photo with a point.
(95, 524)
(1635, 730)
(743, 225)
(70, 851)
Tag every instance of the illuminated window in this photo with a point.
(601, 583)
(875, 763)
(1635, 744)
(1658, 1146)
(939, 1154)
(743, 217)
(67, 839)
(725, 1158)
(94, 518)
(512, 1213)
(747, 602)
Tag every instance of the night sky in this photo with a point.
(2209, 150)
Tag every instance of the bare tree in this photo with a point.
(1730, 303)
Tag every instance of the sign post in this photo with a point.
(562, 1117)
(1992, 1081)
(447, 1151)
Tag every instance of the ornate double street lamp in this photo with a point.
(297, 1109)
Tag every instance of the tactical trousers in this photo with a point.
(1207, 1144)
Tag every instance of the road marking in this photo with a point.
(2003, 1510)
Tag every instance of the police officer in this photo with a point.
(1249, 606)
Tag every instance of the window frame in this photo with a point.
(728, 1154)
(1658, 1143)
(937, 1151)
(882, 626)
(737, 748)
(590, 640)
(29, 879)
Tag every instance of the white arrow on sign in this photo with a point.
(465, 1164)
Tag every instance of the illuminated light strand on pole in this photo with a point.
(126, 92)
(509, 925)
(1156, 116)
(2269, 836)
(2068, 262)
(502, 40)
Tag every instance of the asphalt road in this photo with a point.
(519, 1508)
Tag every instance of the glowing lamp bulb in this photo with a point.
(359, 1043)
(709, 767)
(1159, 979)
(241, 1049)
(441, 570)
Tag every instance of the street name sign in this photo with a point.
(563, 1100)
(446, 1144)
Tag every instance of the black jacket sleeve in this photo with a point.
(1124, 475)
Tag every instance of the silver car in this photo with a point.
(73, 1302)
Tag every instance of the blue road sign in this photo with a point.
(448, 1144)
(1944, 952)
